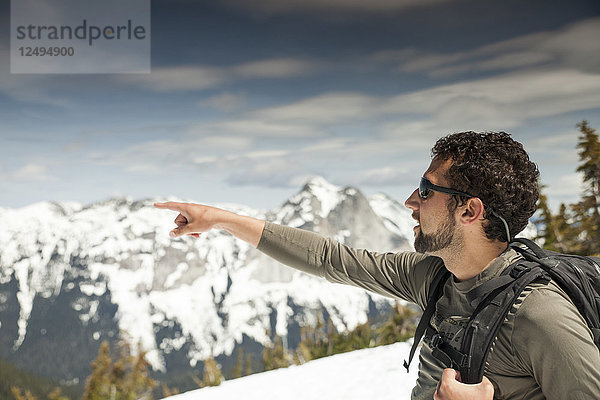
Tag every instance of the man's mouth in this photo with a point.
(418, 226)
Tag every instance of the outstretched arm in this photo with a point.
(404, 275)
(194, 219)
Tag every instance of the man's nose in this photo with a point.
(413, 201)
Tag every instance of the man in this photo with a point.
(478, 192)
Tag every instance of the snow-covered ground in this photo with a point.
(375, 373)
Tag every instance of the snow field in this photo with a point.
(375, 373)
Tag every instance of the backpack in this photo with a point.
(577, 276)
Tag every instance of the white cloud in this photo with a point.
(186, 78)
(226, 102)
(33, 88)
(267, 171)
(500, 103)
(306, 134)
(311, 131)
(415, 133)
(143, 168)
(307, 118)
(323, 109)
(558, 146)
(572, 47)
(379, 176)
(517, 59)
(266, 153)
(496, 103)
(29, 88)
(328, 145)
(204, 160)
(564, 189)
(32, 172)
(266, 128)
(274, 68)
(160, 155)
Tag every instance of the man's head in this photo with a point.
(437, 230)
(494, 168)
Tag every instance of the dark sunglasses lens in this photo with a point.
(423, 189)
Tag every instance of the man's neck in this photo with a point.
(470, 261)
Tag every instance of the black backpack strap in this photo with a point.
(531, 245)
(444, 352)
(435, 292)
(488, 317)
(487, 287)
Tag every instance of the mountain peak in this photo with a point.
(318, 182)
(327, 194)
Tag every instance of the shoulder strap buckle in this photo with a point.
(518, 270)
(464, 361)
(448, 354)
(435, 341)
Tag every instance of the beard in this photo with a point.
(433, 242)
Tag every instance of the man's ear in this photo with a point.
(472, 211)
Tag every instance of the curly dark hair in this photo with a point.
(495, 168)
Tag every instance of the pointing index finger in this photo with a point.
(171, 205)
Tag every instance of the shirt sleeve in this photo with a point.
(404, 275)
(554, 345)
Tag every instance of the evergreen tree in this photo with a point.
(399, 327)
(126, 379)
(576, 229)
(248, 366)
(237, 368)
(27, 395)
(548, 233)
(16, 383)
(138, 383)
(587, 211)
(275, 356)
(324, 340)
(98, 383)
(331, 336)
(118, 376)
(168, 392)
(556, 232)
(56, 394)
(361, 337)
(212, 375)
(304, 351)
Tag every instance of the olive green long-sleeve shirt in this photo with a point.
(544, 349)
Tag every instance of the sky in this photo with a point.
(247, 100)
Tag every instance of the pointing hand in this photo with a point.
(192, 220)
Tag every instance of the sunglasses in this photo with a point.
(426, 187)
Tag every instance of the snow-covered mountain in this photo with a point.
(73, 275)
